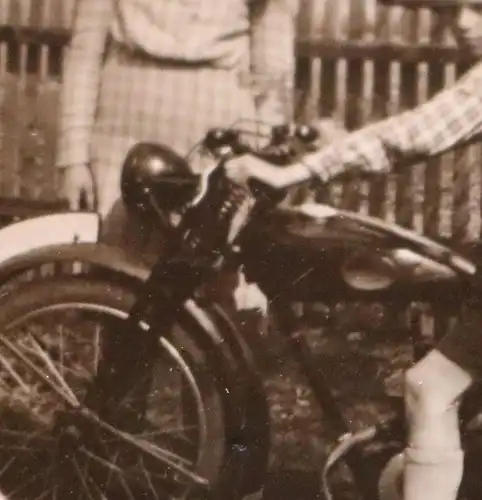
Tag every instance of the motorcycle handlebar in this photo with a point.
(285, 143)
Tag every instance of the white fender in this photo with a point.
(56, 229)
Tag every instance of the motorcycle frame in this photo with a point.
(246, 354)
(299, 350)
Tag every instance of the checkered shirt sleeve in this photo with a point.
(81, 76)
(451, 117)
(273, 31)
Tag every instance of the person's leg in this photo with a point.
(433, 457)
(119, 227)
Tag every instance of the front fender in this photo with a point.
(55, 229)
(112, 259)
(73, 237)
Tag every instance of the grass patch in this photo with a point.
(362, 370)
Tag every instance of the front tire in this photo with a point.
(42, 404)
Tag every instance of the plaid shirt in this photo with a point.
(451, 117)
(257, 35)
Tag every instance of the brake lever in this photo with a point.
(224, 146)
(280, 155)
(204, 180)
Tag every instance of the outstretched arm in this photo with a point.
(451, 117)
(81, 75)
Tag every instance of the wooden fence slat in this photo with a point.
(420, 32)
(433, 189)
(352, 196)
(418, 51)
(463, 163)
(379, 185)
(367, 89)
(35, 14)
(404, 212)
(350, 104)
(310, 69)
(358, 62)
(332, 49)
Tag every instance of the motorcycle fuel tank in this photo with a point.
(318, 252)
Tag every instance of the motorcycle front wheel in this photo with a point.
(55, 444)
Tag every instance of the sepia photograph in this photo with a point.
(240, 244)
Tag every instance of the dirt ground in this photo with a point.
(362, 368)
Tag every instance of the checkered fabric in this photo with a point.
(451, 117)
(166, 71)
(430, 3)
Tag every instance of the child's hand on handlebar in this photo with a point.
(243, 168)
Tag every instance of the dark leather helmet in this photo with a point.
(154, 177)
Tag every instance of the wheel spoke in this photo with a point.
(101, 461)
(178, 430)
(123, 474)
(27, 445)
(97, 343)
(79, 372)
(149, 480)
(7, 466)
(62, 366)
(84, 480)
(45, 494)
(40, 435)
(163, 456)
(126, 488)
(73, 403)
(58, 430)
(141, 438)
(46, 359)
(11, 493)
(113, 470)
(15, 376)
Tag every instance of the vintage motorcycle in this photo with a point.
(87, 409)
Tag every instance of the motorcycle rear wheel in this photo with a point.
(53, 446)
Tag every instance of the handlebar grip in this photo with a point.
(286, 141)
